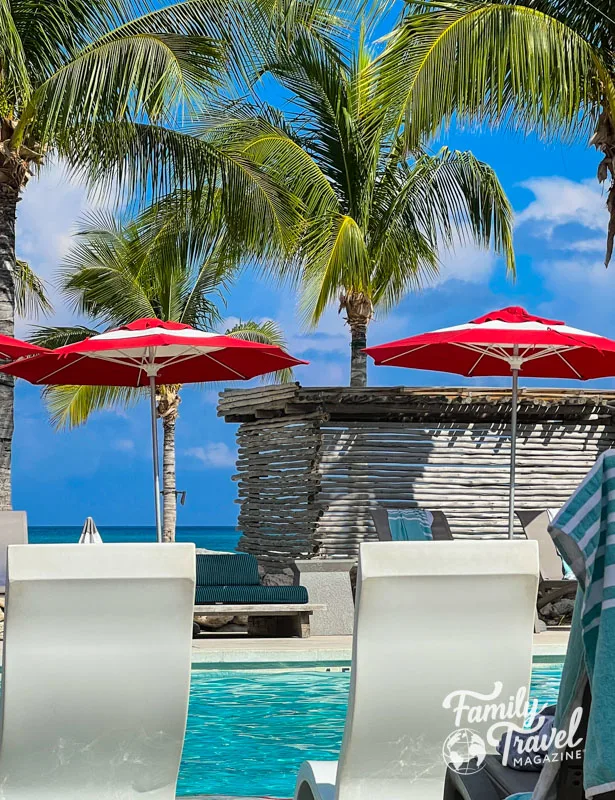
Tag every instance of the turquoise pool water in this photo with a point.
(248, 730)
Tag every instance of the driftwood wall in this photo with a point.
(311, 462)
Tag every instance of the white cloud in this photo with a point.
(560, 201)
(47, 215)
(465, 262)
(124, 445)
(582, 293)
(597, 245)
(214, 455)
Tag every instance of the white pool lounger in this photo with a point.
(432, 618)
(96, 671)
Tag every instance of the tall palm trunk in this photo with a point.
(8, 208)
(168, 405)
(359, 311)
(14, 174)
(604, 141)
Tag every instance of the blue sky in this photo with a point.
(103, 469)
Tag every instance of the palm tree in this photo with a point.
(115, 274)
(534, 65)
(108, 87)
(375, 211)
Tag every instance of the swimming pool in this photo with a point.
(249, 729)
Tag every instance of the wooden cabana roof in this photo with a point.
(406, 403)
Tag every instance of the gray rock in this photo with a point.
(278, 578)
(563, 607)
(213, 623)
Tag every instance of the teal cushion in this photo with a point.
(206, 595)
(410, 525)
(226, 569)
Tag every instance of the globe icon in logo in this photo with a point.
(464, 751)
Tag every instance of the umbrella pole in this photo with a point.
(513, 450)
(155, 458)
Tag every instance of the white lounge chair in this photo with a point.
(13, 530)
(431, 618)
(96, 671)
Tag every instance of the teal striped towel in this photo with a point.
(410, 524)
(584, 533)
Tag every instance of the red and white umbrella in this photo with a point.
(506, 342)
(14, 348)
(150, 352)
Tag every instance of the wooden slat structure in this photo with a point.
(313, 460)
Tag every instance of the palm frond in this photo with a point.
(58, 336)
(119, 78)
(16, 80)
(335, 256)
(71, 406)
(501, 64)
(31, 297)
(270, 142)
(51, 31)
(448, 197)
(266, 332)
(145, 163)
(106, 272)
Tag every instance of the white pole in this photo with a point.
(152, 394)
(513, 441)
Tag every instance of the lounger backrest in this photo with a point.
(431, 619)
(440, 529)
(226, 569)
(13, 530)
(96, 670)
(536, 526)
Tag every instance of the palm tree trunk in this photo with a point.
(8, 209)
(168, 409)
(604, 141)
(359, 311)
(358, 359)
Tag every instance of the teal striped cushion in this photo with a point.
(227, 569)
(205, 595)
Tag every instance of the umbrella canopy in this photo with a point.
(89, 534)
(169, 352)
(497, 342)
(509, 341)
(11, 348)
(150, 352)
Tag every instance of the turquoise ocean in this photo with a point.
(212, 538)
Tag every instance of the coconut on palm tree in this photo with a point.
(116, 274)
(375, 212)
(532, 65)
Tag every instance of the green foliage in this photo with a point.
(266, 332)
(30, 292)
(375, 213)
(539, 65)
(115, 274)
(109, 85)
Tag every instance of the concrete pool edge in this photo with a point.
(317, 650)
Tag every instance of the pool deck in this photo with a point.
(237, 650)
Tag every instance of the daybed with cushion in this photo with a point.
(229, 583)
